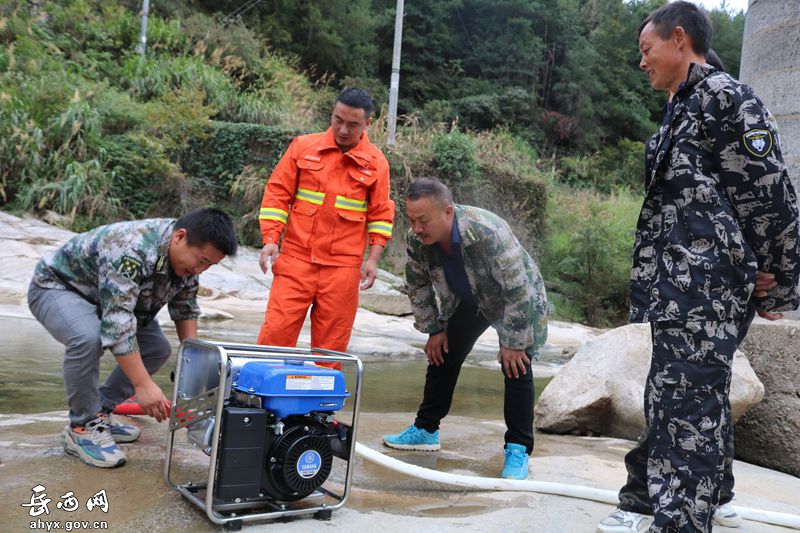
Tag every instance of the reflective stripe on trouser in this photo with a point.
(678, 467)
(74, 322)
(330, 291)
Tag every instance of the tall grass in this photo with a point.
(78, 105)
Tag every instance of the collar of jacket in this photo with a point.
(697, 73)
(360, 153)
(164, 241)
(466, 232)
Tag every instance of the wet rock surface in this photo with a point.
(233, 297)
(380, 500)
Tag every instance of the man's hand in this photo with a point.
(152, 400)
(368, 272)
(436, 347)
(269, 254)
(513, 362)
(765, 282)
(768, 315)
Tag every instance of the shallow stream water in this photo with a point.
(31, 381)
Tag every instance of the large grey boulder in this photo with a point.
(601, 390)
(769, 434)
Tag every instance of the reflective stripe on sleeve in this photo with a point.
(381, 228)
(272, 213)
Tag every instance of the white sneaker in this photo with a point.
(726, 516)
(620, 521)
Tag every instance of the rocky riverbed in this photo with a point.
(234, 296)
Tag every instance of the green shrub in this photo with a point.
(118, 112)
(454, 156)
(229, 147)
(140, 167)
(587, 258)
(77, 187)
(21, 148)
(230, 166)
(619, 166)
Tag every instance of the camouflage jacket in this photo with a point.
(124, 269)
(719, 206)
(504, 280)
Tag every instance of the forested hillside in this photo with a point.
(533, 108)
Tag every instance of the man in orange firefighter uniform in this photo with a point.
(329, 191)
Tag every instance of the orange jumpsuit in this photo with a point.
(325, 203)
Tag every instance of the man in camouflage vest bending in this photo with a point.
(719, 207)
(482, 276)
(102, 290)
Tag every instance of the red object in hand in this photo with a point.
(132, 407)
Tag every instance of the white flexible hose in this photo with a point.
(543, 487)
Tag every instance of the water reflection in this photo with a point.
(31, 381)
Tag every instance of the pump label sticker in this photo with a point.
(309, 464)
(298, 382)
(309, 382)
(322, 383)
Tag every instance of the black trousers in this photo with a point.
(463, 329)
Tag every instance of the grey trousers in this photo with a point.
(75, 322)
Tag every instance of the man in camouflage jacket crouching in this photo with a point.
(101, 291)
(482, 276)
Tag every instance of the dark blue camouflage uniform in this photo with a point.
(719, 206)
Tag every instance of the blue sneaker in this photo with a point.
(119, 430)
(516, 465)
(414, 438)
(93, 444)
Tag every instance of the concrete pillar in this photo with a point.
(771, 66)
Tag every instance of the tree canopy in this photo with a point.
(564, 72)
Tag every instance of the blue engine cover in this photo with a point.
(293, 388)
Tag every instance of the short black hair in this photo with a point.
(429, 188)
(356, 97)
(714, 60)
(209, 225)
(694, 21)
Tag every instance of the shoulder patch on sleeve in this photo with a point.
(758, 142)
(130, 267)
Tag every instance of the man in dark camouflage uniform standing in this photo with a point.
(716, 242)
(102, 290)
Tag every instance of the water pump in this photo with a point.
(265, 416)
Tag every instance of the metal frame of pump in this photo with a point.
(214, 364)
